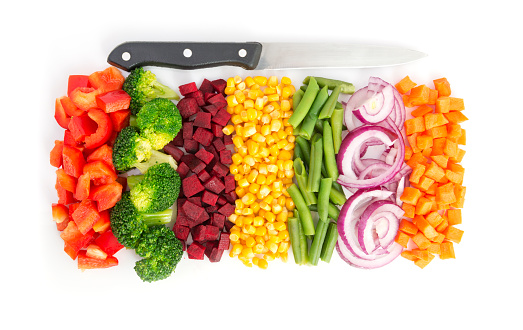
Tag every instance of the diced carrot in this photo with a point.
(434, 248)
(440, 238)
(432, 188)
(451, 148)
(413, 142)
(408, 152)
(447, 251)
(445, 194)
(434, 172)
(402, 239)
(423, 206)
(459, 156)
(406, 101)
(443, 206)
(434, 219)
(409, 210)
(455, 117)
(463, 137)
(456, 104)
(454, 177)
(433, 96)
(453, 131)
(456, 168)
(421, 253)
(424, 226)
(416, 174)
(405, 85)
(434, 119)
(438, 132)
(440, 160)
(426, 152)
(419, 95)
(424, 141)
(459, 193)
(437, 146)
(414, 125)
(417, 158)
(454, 217)
(443, 104)
(442, 86)
(411, 195)
(423, 263)
(408, 227)
(408, 255)
(453, 234)
(421, 111)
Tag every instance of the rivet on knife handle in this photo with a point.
(185, 55)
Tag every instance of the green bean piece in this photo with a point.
(316, 159)
(328, 107)
(346, 87)
(328, 152)
(337, 197)
(305, 149)
(304, 244)
(323, 199)
(334, 212)
(338, 106)
(303, 209)
(294, 234)
(305, 104)
(297, 152)
(329, 243)
(296, 98)
(336, 121)
(301, 178)
(317, 242)
(296, 131)
(318, 127)
(307, 126)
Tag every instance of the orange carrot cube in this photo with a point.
(421, 111)
(417, 172)
(442, 86)
(408, 227)
(434, 219)
(434, 119)
(451, 148)
(413, 142)
(437, 146)
(437, 132)
(424, 141)
(456, 104)
(415, 159)
(419, 95)
(440, 160)
(414, 125)
(411, 195)
(434, 172)
(423, 206)
(445, 194)
(405, 85)
(409, 210)
(433, 96)
(454, 177)
(453, 234)
(408, 152)
(447, 251)
(438, 239)
(434, 248)
(421, 253)
(402, 239)
(455, 117)
(423, 263)
(424, 227)
(463, 137)
(454, 216)
(459, 157)
(443, 104)
(407, 254)
(406, 101)
(432, 188)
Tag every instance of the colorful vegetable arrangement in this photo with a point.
(249, 163)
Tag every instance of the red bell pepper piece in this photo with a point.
(73, 161)
(104, 223)
(55, 156)
(69, 107)
(85, 97)
(103, 131)
(62, 225)
(106, 195)
(74, 239)
(107, 80)
(103, 153)
(99, 172)
(113, 101)
(120, 119)
(70, 141)
(64, 197)
(108, 243)
(60, 212)
(77, 81)
(65, 180)
(81, 126)
(83, 186)
(86, 215)
(59, 114)
(85, 262)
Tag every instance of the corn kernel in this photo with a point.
(285, 154)
(276, 125)
(270, 217)
(247, 252)
(273, 97)
(227, 130)
(250, 242)
(249, 82)
(258, 248)
(263, 264)
(273, 247)
(289, 204)
(247, 211)
(285, 105)
(269, 90)
(286, 80)
(276, 208)
(248, 104)
(248, 199)
(264, 191)
(240, 191)
(260, 80)
(237, 79)
(270, 179)
(283, 247)
(261, 230)
(283, 235)
(236, 249)
(249, 160)
(279, 226)
(269, 256)
(249, 131)
(242, 151)
(272, 81)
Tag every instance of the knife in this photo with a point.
(257, 56)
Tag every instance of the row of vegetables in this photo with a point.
(254, 167)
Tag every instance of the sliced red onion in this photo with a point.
(394, 251)
(376, 108)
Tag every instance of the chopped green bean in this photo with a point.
(316, 160)
(294, 234)
(307, 126)
(323, 199)
(338, 106)
(336, 196)
(328, 152)
(305, 149)
(336, 121)
(329, 243)
(317, 242)
(305, 104)
(296, 98)
(304, 244)
(334, 212)
(328, 107)
(346, 87)
(301, 178)
(303, 209)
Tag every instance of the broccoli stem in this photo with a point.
(133, 180)
(158, 218)
(164, 91)
(157, 157)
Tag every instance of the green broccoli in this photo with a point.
(143, 86)
(158, 189)
(128, 224)
(159, 122)
(161, 251)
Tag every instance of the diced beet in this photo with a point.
(207, 96)
(195, 200)
(179, 204)
(221, 200)
(191, 146)
(199, 233)
(225, 157)
(212, 233)
(209, 198)
(192, 210)
(187, 129)
(174, 151)
(228, 225)
(191, 186)
(204, 156)
(227, 209)
(181, 232)
(224, 241)
(187, 107)
(198, 96)
(219, 85)
(178, 140)
(216, 255)
(206, 86)
(188, 88)
(184, 245)
(209, 247)
(217, 130)
(218, 100)
(203, 119)
(194, 163)
(214, 185)
(231, 196)
(222, 117)
(220, 170)
(229, 183)
(211, 209)
(227, 140)
(210, 108)
(203, 136)
(196, 251)
(218, 220)
(218, 144)
(183, 170)
(204, 175)
(182, 220)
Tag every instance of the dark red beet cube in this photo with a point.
(195, 200)
(227, 209)
(209, 246)
(218, 101)
(174, 151)
(184, 245)
(211, 210)
(212, 233)
(218, 220)
(188, 88)
(204, 175)
(212, 109)
(229, 183)
(216, 255)
(203, 136)
(209, 198)
(204, 155)
(221, 200)
(181, 232)
(214, 185)
(203, 119)
(191, 146)
(222, 117)
(207, 96)
(231, 196)
(225, 157)
(228, 225)
(218, 144)
(178, 140)
(219, 85)
(187, 129)
(182, 220)
(194, 163)
(217, 130)
(206, 86)
(196, 251)
(191, 186)
(223, 242)
(220, 170)
(199, 233)
(198, 96)
(227, 140)
(187, 107)
(192, 211)
(183, 170)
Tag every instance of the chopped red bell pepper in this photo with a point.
(120, 119)
(64, 197)
(100, 173)
(103, 131)
(113, 101)
(70, 141)
(83, 186)
(104, 223)
(73, 161)
(65, 180)
(59, 114)
(106, 195)
(62, 225)
(77, 81)
(85, 262)
(108, 243)
(107, 80)
(85, 97)
(103, 153)
(70, 108)
(55, 156)
(60, 212)
(74, 239)
(81, 126)
(86, 215)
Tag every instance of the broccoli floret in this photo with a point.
(158, 190)
(128, 224)
(161, 251)
(159, 122)
(157, 157)
(143, 86)
(130, 149)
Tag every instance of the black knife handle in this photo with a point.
(185, 55)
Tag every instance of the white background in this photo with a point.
(476, 45)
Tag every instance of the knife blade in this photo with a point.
(257, 56)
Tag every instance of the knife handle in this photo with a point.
(185, 55)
